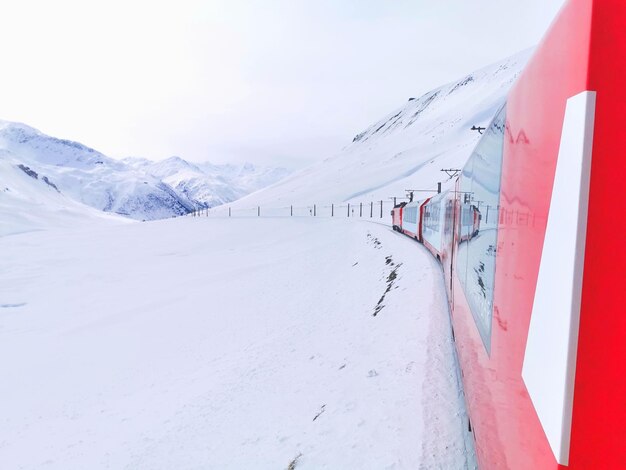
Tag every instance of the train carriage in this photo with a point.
(542, 389)
(533, 255)
(412, 217)
(396, 216)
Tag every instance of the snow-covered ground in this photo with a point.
(202, 343)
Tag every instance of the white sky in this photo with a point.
(282, 82)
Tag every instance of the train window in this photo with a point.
(411, 214)
(478, 228)
(432, 224)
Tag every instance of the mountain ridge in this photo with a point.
(134, 187)
(406, 149)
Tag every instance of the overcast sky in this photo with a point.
(282, 82)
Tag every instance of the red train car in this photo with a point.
(396, 216)
(531, 244)
(412, 217)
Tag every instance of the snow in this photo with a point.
(28, 203)
(89, 177)
(232, 342)
(136, 188)
(405, 150)
(226, 343)
(208, 185)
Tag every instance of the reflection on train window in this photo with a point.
(433, 221)
(478, 230)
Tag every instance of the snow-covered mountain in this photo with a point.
(137, 188)
(208, 185)
(247, 177)
(406, 149)
(90, 177)
(30, 200)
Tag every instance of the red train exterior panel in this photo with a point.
(579, 55)
(598, 428)
(507, 430)
(533, 256)
(396, 216)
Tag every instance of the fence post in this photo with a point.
(439, 187)
(332, 210)
(371, 209)
(314, 210)
(348, 209)
(381, 209)
(394, 201)
(360, 209)
(229, 212)
(258, 211)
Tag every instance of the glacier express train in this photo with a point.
(532, 244)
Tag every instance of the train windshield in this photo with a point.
(478, 230)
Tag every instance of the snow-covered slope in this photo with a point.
(90, 177)
(226, 344)
(247, 177)
(404, 150)
(137, 188)
(208, 185)
(197, 188)
(30, 200)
